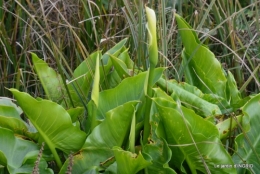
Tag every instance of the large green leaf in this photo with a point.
(113, 123)
(52, 122)
(201, 67)
(83, 75)
(129, 89)
(194, 141)
(98, 146)
(50, 80)
(13, 151)
(128, 162)
(157, 148)
(248, 145)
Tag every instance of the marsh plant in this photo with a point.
(115, 113)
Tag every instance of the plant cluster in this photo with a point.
(117, 114)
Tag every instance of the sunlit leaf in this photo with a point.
(50, 79)
(52, 122)
(201, 67)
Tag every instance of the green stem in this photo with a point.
(56, 157)
(147, 126)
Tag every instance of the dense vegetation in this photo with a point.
(116, 87)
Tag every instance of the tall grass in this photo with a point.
(65, 32)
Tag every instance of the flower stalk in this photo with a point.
(153, 60)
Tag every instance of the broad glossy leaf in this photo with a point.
(98, 146)
(83, 76)
(193, 140)
(115, 126)
(248, 146)
(190, 96)
(52, 122)
(201, 67)
(128, 162)
(157, 148)
(50, 79)
(128, 90)
(13, 151)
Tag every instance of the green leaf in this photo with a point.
(10, 119)
(128, 162)
(112, 98)
(157, 148)
(13, 150)
(194, 141)
(87, 159)
(124, 56)
(52, 122)
(75, 113)
(248, 145)
(191, 96)
(83, 76)
(120, 67)
(116, 50)
(50, 80)
(235, 95)
(29, 164)
(8, 108)
(109, 133)
(115, 126)
(228, 125)
(18, 126)
(201, 67)
(95, 89)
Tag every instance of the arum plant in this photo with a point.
(153, 59)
